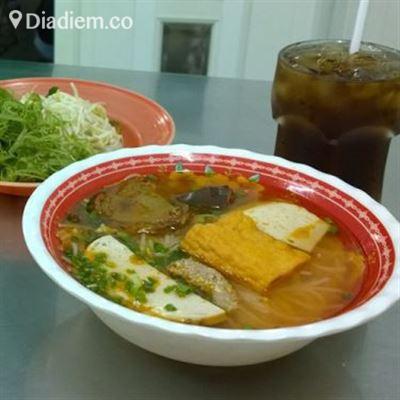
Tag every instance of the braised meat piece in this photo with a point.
(134, 205)
(208, 198)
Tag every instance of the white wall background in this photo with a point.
(247, 34)
(382, 24)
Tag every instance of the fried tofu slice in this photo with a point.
(160, 302)
(290, 223)
(237, 248)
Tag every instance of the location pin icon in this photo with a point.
(15, 17)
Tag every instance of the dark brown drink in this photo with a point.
(338, 112)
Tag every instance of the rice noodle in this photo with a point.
(143, 242)
(169, 240)
(325, 289)
(295, 300)
(74, 248)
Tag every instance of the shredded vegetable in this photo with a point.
(84, 119)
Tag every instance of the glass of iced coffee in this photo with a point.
(338, 112)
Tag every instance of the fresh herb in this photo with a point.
(170, 307)
(52, 90)
(34, 144)
(247, 327)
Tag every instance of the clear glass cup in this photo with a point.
(338, 112)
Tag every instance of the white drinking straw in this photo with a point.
(359, 26)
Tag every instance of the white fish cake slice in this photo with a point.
(289, 223)
(189, 309)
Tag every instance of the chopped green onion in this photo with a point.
(140, 295)
(169, 288)
(180, 289)
(149, 284)
(179, 167)
(208, 170)
(333, 228)
(204, 218)
(347, 296)
(163, 261)
(159, 248)
(255, 178)
(152, 177)
(170, 307)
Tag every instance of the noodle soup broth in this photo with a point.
(158, 218)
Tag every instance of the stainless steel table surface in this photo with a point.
(53, 347)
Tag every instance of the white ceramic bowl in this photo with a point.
(372, 223)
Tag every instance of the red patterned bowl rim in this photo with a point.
(376, 229)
